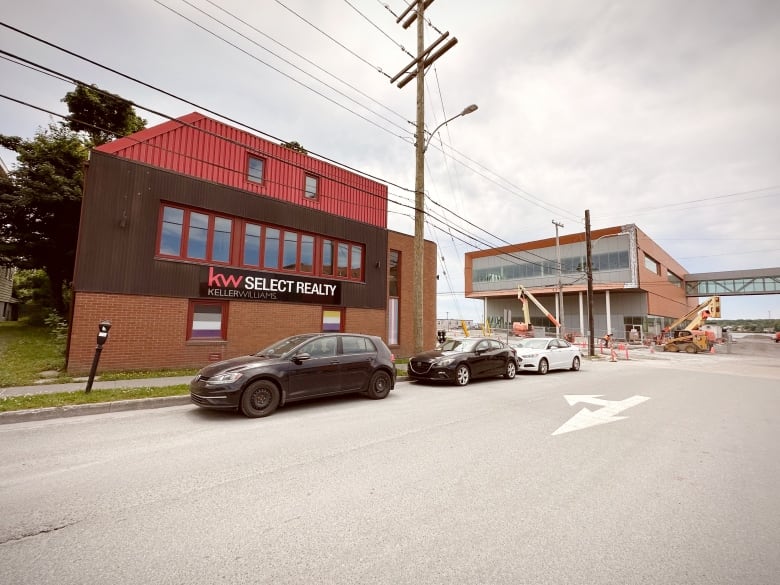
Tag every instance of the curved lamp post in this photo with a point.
(466, 111)
(419, 217)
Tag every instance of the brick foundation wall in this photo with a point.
(150, 332)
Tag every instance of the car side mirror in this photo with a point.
(301, 357)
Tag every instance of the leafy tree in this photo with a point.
(296, 146)
(40, 200)
(41, 203)
(103, 116)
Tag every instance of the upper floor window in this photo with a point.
(310, 191)
(674, 279)
(197, 236)
(201, 236)
(256, 167)
(652, 265)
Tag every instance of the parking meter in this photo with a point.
(102, 337)
(103, 332)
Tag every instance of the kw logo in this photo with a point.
(223, 280)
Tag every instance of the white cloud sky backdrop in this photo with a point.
(661, 113)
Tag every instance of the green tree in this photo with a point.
(101, 115)
(41, 203)
(40, 200)
(296, 146)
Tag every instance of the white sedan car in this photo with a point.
(542, 354)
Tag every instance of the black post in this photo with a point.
(589, 269)
(102, 337)
(92, 370)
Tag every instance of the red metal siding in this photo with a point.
(201, 147)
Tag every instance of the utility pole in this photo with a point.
(425, 58)
(559, 303)
(589, 271)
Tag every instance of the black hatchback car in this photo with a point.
(460, 360)
(300, 367)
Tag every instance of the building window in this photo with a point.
(310, 190)
(251, 256)
(200, 236)
(327, 258)
(256, 166)
(342, 262)
(356, 262)
(290, 253)
(172, 228)
(393, 292)
(208, 320)
(271, 248)
(194, 235)
(652, 265)
(307, 254)
(674, 279)
(333, 320)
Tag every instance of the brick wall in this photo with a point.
(150, 332)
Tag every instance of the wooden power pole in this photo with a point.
(425, 58)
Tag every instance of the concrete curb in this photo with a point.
(35, 414)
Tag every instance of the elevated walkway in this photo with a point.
(759, 281)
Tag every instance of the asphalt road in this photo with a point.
(672, 478)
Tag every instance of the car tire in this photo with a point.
(260, 399)
(511, 370)
(575, 364)
(462, 375)
(379, 386)
(544, 366)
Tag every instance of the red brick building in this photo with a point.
(199, 241)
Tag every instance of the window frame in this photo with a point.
(191, 311)
(249, 177)
(308, 245)
(307, 193)
(185, 239)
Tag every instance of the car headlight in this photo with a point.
(226, 378)
(444, 361)
(530, 355)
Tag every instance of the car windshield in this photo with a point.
(459, 345)
(534, 343)
(282, 347)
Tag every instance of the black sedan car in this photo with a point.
(460, 360)
(297, 368)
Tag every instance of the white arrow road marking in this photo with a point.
(590, 418)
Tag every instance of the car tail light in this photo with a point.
(392, 357)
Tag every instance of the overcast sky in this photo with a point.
(661, 113)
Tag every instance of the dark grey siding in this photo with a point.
(119, 221)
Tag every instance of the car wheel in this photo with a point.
(462, 375)
(260, 399)
(379, 386)
(511, 370)
(544, 367)
(575, 363)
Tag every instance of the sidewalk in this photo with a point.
(33, 414)
(81, 386)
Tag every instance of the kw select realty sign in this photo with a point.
(226, 283)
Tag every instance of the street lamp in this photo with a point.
(419, 212)
(467, 110)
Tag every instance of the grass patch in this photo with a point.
(30, 401)
(25, 351)
(139, 375)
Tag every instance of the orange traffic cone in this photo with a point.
(712, 349)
